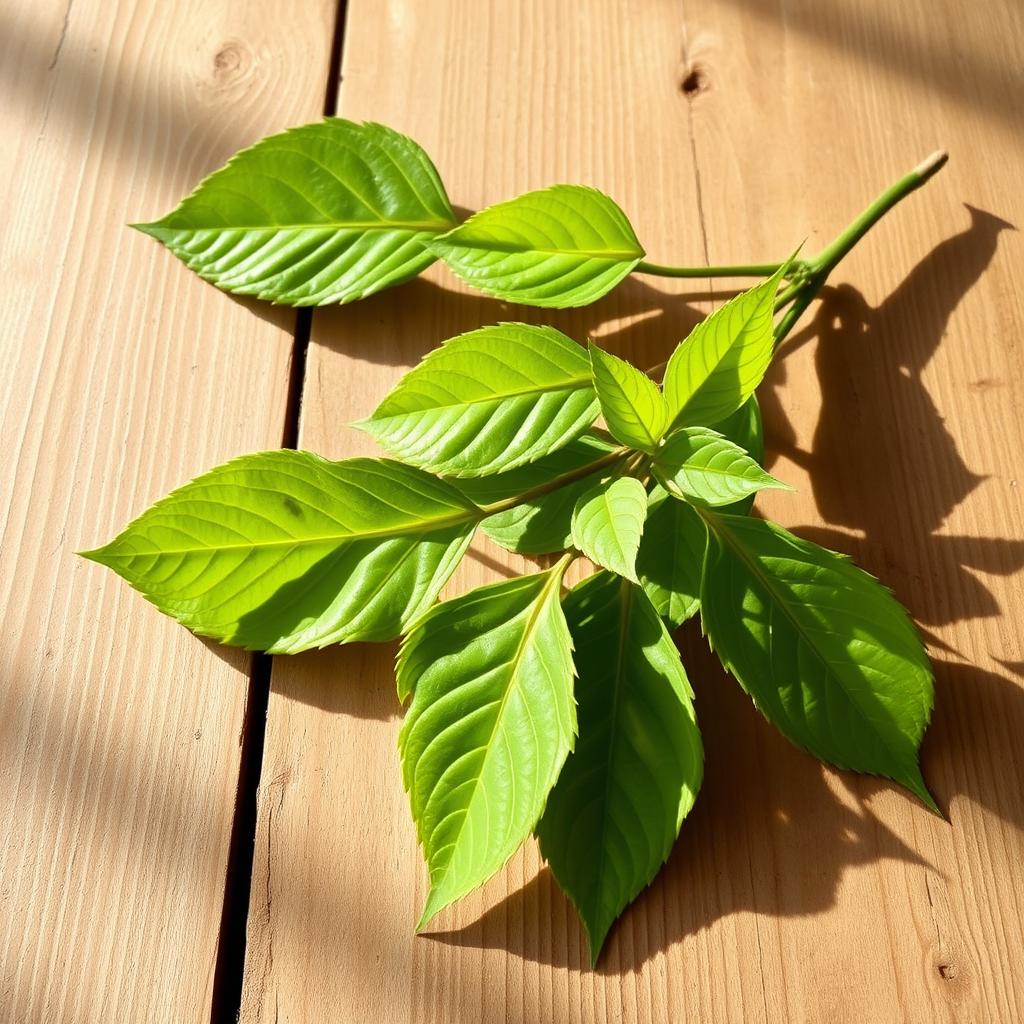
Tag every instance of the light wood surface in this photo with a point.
(122, 376)
(728, 129)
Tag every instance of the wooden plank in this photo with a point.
(794, 893)
(123, 376)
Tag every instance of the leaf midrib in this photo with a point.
(616, 255)
(540, 602)
(431, 526)
(718, 362)
(354, 225)
(578, 383)
(625, 598)
(752, 564)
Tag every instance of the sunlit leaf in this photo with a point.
(631, 403)
(488, 401)
(328, 212)
(716, 369)
(700, 465)
(608, 522)
(621, 798)
(491, 722)
(561, 246)
(282, 551)
(825, 651)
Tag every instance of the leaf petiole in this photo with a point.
(554, 484)
(741, 270)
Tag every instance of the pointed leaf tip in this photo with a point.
(491, 722)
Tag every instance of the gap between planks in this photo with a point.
(230, 964)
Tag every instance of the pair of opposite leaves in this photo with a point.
(336, 211)
(285, 551)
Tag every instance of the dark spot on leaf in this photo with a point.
(292, 506)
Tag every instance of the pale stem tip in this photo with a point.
(927, 167)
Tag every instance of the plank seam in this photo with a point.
(229, 968)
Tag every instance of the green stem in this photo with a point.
(743, 270)
(554, 484)
(816, 270)
(826, 260)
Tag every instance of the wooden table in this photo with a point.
(728, 129)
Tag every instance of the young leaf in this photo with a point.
(491, 722)
(713, 372)
(562, 246)
(700, 465)
(488, 401)
(671, 558)
(825, 651)
(282, 551)
(328, 212)
(543, 524)
(631, 403)
(607, 524)
(617, 807)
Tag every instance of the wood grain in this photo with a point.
(123, 376)
(728, 130)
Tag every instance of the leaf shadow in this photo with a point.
(636, 318)
(775, 843)
(879, 426)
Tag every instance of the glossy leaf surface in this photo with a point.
(328, 212)
(491, 722)
(561, 246)
(282, 551)
(488, 401)
(631, 403)
(700, 465)
(826, 652)
(716, 369)
(608, 522)
(616, 810)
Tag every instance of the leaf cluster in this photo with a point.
(531, 710)
(336, 211)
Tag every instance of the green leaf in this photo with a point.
(543, 524)
(488, 401)
(716, 369)
(562, 246)
(282, 551)
(328, 212)
(617, 807)
(825, 651)
(746, 428)
(671, 558)
(700, 465)
(491, 722)
(608, 522)
(631, 403)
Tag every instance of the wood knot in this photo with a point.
(947, 972)
(230, 61)
(694, 82)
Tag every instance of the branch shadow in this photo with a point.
(635, 318)
(879, 426)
